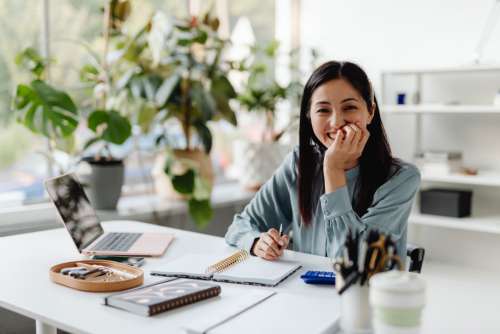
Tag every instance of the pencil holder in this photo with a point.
(355, 310)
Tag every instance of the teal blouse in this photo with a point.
(277, 203)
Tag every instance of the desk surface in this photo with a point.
(26, 287)
(460, 300)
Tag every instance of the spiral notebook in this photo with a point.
(237, 268)
(162, 296)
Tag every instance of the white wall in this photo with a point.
(388, 34)
(395, 34)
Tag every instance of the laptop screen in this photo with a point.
(75, 210)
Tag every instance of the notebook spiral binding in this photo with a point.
(227, 262)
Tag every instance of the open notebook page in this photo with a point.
(232, 303)
(286, 313)
(190, 265)
(256, 270)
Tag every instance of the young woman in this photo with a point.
(341, 177)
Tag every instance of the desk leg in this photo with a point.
(43, 328)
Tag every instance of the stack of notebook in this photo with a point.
(162, 296)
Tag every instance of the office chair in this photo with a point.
(416, 255)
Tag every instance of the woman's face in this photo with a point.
(334, 105)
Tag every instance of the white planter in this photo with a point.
(104, 183)
(256, 162)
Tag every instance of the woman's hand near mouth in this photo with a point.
(343, 153)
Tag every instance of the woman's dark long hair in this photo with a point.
(376, 161)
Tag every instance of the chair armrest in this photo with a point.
(416, 255)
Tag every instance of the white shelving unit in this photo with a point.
(444, 70)
(439, 109)
(486, 179)
(488, 222)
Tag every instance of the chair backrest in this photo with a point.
(415, 255)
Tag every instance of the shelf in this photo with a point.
(488, 224)
(439, 109)
(445, 70)
(485, 179)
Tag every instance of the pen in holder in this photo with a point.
(362, 257)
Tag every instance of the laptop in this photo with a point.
(85, 229)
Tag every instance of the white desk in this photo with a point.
(460, 300)
(26, 288)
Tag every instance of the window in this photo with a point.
(73, 23)
(260, 13)
(21, 167)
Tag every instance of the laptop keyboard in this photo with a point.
(119, 242)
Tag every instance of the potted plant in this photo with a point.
(258, 159)
(181, 83)
(44, 109)
(105, 118)
(52, 113)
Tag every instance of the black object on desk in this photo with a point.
(446, 202)
(133, 261)
(416, 255)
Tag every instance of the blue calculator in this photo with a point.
(319, 277)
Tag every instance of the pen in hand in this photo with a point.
(281, 234)
(271, 244)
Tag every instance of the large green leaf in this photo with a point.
(271, 49)
(134, 51)
(117, 129)
(124, 80)
(91, 142)
(32, 61)
(222, 91)
(186, 37)
(45, 110)
(144, 85)
(149, 87)
(222, 85)
(184, 183)
(146, 115)
(89, 73)
(201, 212)
(166, 88)
(205, 135)
(201, 37)
(204, 101)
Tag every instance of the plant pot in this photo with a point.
(256, 162)
(162, 183)
(104, 184)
